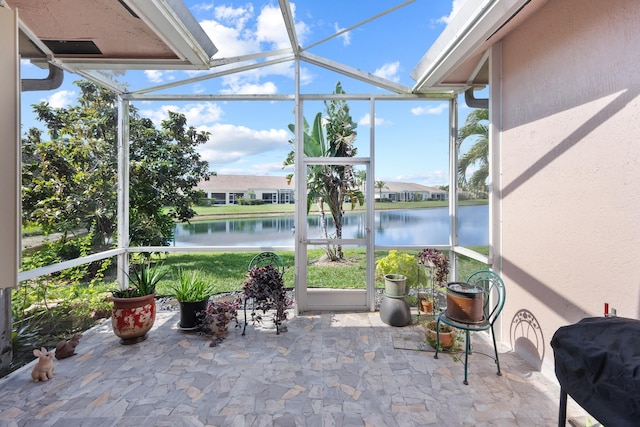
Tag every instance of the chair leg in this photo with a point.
(467, 347)
(495, 348)
(437, 337)
(245, 317)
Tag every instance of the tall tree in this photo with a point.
(331, 184)
(361, 179)
(69, 179)
(476, 129)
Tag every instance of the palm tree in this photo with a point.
(361, 179)
(330, 184)
(380, 185)
(475, 128)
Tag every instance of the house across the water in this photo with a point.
(409, 192)
(233, 189)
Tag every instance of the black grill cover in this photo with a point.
(597, 362)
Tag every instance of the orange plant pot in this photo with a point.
(447, 337)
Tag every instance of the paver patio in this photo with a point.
(328, 369)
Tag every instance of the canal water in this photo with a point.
(392, 227)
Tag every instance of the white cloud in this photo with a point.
(232, 33)
(203, 7)
(61, 99)
(433, 178)
(389, 71)
(346, 37)
(238, 32)
(302, 29)
(197, 114)
(270, 28)
(159, 76)
(230, 41)
(230, 143)
(438, 109)
(366, 121)
(237, 17)
(455, 7)
(267, 88)
(154, 76)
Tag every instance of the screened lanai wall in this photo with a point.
(395, 91)
(334, 299)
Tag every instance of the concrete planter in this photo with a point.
(395, 285)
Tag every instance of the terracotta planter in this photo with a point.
(395, 285)
(447, 336)
(465, 302)
(425, 305)
(189, 312)
(132, 318)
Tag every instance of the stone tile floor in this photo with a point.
(329, 369)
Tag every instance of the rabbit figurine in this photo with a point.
(44, 368)
(66, 348)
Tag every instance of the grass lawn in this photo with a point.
(227, 270)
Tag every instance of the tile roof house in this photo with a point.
(227, 189)
(409, 192)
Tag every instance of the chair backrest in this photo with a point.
(267, 258)
(494, 292)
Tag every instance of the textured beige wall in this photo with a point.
(570, 154)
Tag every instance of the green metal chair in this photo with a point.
(493, 302)
(261, 260)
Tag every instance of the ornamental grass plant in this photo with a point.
(191, 285)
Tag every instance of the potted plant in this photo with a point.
(447, 334)
(134, 308)
(217, 317)
(437, 263)
(400, 272)
(265, 286)
(192, 290)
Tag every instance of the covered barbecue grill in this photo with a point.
(597, 362)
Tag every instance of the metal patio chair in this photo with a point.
(493, 302)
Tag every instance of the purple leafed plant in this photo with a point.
(265, 286)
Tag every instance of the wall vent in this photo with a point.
(72, 47)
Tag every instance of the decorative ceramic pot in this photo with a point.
(395, 285)
(220, 329)
(132, 318)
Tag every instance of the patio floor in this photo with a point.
(329, 369)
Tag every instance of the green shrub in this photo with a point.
(401, 263)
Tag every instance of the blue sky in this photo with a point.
(251, 137)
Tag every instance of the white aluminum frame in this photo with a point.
(234, 65)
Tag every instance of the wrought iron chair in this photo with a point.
(261, 260)
(493, 302)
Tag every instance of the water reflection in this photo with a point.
(393, 227)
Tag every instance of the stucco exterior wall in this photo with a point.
(570, 164)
